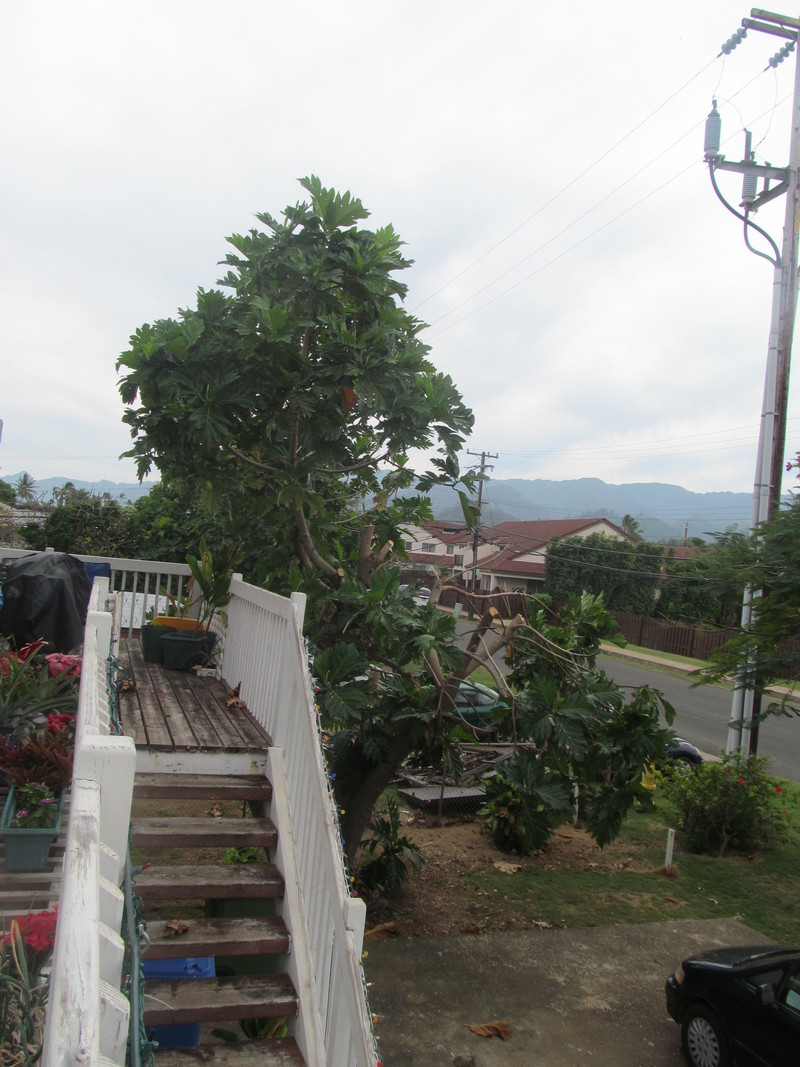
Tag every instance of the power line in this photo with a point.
(583, 215)
(569, 185)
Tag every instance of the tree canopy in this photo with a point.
(626, 573)
(290, 403)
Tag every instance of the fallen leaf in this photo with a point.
(500, 1028)
(236, 702)
(381, 932)
(672, 900)
(127, 685)
(542, 925)
(175, 927)
(713, 900)
(215, 811)
(506, 868)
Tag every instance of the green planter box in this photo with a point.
(27, 850)
(182, 651)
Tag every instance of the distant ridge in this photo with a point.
(663, 511)
(117, 490)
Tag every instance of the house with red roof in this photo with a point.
(520, 550)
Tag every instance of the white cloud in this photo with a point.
(588, 293)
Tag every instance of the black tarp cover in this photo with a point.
(45, 595)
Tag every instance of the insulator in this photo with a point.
(713, 132)
(749, 188)
(781, 54)
(733, 41)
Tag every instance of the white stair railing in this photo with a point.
(87, 1016)
(264, 655)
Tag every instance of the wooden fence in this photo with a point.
(673, 637)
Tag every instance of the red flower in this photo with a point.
(37, 930)
(741, 781)
(29, 650)
(778, 789)
(56, 723)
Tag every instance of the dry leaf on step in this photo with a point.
(175, 927)
(236, 702)
(499, 1028)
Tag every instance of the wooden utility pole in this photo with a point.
(477, 532)
(743, 727)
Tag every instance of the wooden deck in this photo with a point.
(177, 711)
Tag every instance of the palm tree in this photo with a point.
(632, 527)
(25, 490)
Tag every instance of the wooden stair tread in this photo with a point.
(279, 1052)
(208, 1000)
(202, 786)
(203, 832)
(258, 935)
(244, 880)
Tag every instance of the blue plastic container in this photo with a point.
(181, 1035)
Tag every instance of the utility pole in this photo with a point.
(477, 533)
(772, 433)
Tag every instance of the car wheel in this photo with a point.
(704, 1039)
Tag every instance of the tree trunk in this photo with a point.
(359, 802)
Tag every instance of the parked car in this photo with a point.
(422, 595)
(474, 702)
(738, 1006)
(684, 751)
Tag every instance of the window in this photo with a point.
(427, 546)
(408, 545)
(458, 560)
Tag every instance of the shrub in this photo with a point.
(523, 804)
(386, 870)
(730, 804)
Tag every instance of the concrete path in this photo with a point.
(572, 998)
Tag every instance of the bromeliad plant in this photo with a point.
(34, 685)
(43, 756)
(24, 950)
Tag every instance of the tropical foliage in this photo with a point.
(626, 573)
(590, 744)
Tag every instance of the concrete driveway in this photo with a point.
(571, 997)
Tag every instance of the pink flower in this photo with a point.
(58, 663)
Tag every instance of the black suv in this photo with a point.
(738, 1006)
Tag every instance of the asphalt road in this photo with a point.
(703, 714)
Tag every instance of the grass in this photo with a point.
(627, 884)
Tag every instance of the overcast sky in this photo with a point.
(590, 296)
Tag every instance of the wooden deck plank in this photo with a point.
(243, 936)
(276, 1052)
(191, 832)
(178, 711)
(216, 999)
(202, 787)
(150, 709)
(249, 881)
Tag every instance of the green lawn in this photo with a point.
(626, 882)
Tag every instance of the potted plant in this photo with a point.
(38, 768)
(211, 579)
(157, 626)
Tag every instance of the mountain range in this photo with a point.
(664, 512)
